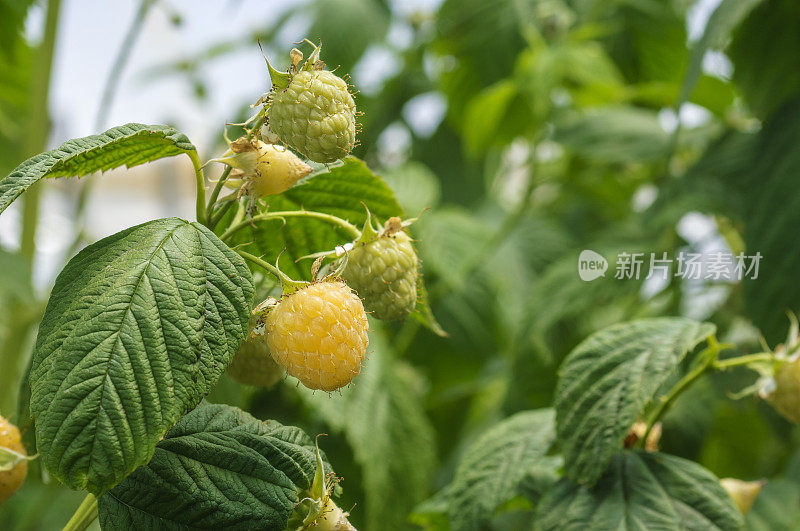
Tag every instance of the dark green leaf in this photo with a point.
(139, 327)
(607, 380)
(217, 468)
(614, 134)
(765, 58)
(722, 21)
(641, 491)
(126, 145)
(494, 467)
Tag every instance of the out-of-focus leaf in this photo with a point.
(415, 186)
(651, 42)
(777, 507)
(722, 21)
(764, 54)
(494, 466)
(768, 188)
(614, 135)
(12, 21)
(346, 28)
(641, 490)
(384, 422)
(606, 381)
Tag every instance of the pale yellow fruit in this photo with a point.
(319, 334)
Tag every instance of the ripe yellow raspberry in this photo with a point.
(253, 364)
(13, 460)
(319, 334)
(744, 493)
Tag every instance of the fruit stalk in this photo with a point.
(84, 516)
(351, 229)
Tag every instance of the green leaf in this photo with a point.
(139, 327)
(721, 23)
(607, 380)
(126, 145)
(383, 419)
(764, 55)
(640, 491)
(217, 468)
(346, 28)
(343, 191)
(614, 135)
(494, 467)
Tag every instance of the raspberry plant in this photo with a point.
(296, 293)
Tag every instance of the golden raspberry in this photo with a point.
(253, 364)
(319, 334)
(10, 480)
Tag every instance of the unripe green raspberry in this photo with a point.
(384, 274)
(783, 390)
(315, 115)
(253, 364)
(319, 334)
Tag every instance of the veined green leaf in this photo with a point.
(126, 145)
(766, 65)
(641, 491)
(383, 419)
(722, 21)
(217, 468)
(493, 468)
(614, 135)
(607, 380)
(138, 328)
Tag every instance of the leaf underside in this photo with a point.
(126, 145)
(217, 468)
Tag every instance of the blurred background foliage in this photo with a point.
(532, 129)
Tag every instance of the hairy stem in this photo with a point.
(84, 516)
(743, 360)
(707, 359)
(201, 188)
(216, 191)
(351, 229)
(38, 123)
(260, 262)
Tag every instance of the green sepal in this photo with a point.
(10, 459)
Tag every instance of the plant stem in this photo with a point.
(38, 124)
(707, 359)
(216, 191)
(259, 262)
(218, 215)
(84, 516)
(351, 229)
(743, 360)
(201, 188)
